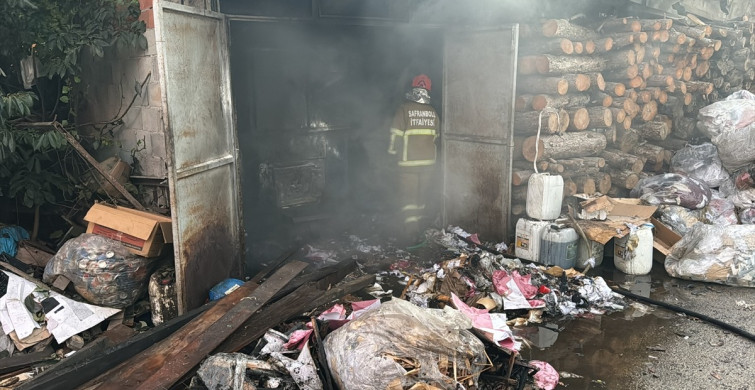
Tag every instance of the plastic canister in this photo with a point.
(587, 249)
(559, 246)
(633, 253)
(544, 195)
(528, 236)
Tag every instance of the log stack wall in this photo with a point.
(621, 96)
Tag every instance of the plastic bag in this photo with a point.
(103, 271)
(700, 162)
(747, 216)
(742, 198)
(224, 288)
(672, 189)
(741, 94)
(678, 218)
(719, 254)
(10, 236)
(744, 179)
(720, 211)
(379, 348)
(730, 126)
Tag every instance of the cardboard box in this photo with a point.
(620, 212)
(663, 240)
(144, 234)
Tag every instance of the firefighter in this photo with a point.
(413, 143)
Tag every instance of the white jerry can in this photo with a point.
(528, 236)
(633, 253)
(544, 195)
(585, 250)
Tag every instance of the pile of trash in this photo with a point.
(449, 326)
(709, 198)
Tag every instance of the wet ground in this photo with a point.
(603, 352)
(646, 347)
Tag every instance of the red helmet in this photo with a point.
(422, 81)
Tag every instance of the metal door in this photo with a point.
(192, 51)
(479, 79)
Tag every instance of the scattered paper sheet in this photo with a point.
(65, 317)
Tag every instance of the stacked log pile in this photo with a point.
(619, 97)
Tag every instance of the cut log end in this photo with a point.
(579, 48)
(528, 149)
(580, 119)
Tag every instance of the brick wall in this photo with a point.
(109, 85)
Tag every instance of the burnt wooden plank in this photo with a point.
(163, 364)
(325, 275)
(305, 298)
(66, 376)
(24, 360)
(273, 266)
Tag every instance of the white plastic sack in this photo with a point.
(743, 199)
(747, 216)
(400, 344)
(700, 162)
(730, 124)
(719, 254)
(720, 211)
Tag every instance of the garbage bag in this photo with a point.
(719, 254)
(745, 178)
(747, 216)
(378, 349)
(10, 236)
(741, 94)
(720, 211)
(672, 189)
(700, 162)
(742, 198)
(730, 125)
(102, 270)
(679, 219)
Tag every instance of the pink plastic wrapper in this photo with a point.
(547, 377)
(517, 290)
(492, 325)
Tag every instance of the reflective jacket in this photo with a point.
(413, 133)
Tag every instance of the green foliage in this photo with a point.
(34, 183)
(37, 166)
(60, 29)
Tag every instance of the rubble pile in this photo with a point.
(415, 324)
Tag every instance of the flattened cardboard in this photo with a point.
(602, 203)
(630, 207)
(144, 234)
